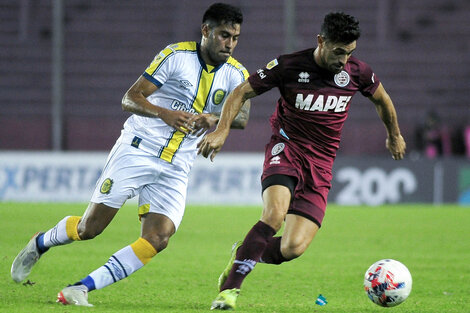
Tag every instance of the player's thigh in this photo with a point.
(276, 201)
(298, 234)
(126, 172)
(167, 195)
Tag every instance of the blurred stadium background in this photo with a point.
(65, 65)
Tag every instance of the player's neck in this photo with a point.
(318, 60)
(206, 57)
(316, 57)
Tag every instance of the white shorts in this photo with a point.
(129, 171)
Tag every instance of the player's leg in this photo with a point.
(276, 199)
(74, 228)
(297, 236)
(303, 219)
(277, 194)
(71, 228)
(276, 202)
(109, 193)
(156, 232)
(298, 233)
(161, 208)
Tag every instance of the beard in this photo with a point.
(217, 58)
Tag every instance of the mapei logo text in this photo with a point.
(330, 103)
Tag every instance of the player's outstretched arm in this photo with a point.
(386, 111)
(135, 101)
(240, 121)
(211, 144)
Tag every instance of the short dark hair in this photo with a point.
(340, 27)
(222, 13)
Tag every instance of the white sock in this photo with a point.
(57, 235)
(119, 266)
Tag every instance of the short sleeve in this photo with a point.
(238, 74)
(369, 82)
(161, 67)
(235, 80)
(267, 77)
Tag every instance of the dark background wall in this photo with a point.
(419, 49)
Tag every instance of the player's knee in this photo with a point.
(274, 218)
(158, 241)
(292, 249)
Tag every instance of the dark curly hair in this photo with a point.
(340, 27)
(222, 13)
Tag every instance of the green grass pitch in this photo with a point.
(433, 241)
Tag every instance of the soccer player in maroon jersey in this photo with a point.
(316, 87)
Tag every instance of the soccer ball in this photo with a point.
(387, 282)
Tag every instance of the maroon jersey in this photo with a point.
(314, 102)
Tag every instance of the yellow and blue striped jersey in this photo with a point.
(185, 83)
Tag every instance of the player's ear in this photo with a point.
(205, 30)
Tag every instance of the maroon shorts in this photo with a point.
(313, 181)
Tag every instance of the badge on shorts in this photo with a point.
(106, 186)
(277, 148)
(136, 142)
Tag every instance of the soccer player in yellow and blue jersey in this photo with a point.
(176, 100)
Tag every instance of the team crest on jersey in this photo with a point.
(271, 64)
(218, 96)
(342, 79)
(278, 148)
(106, 186)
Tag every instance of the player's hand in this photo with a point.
(179, 120)
(211, 144)
(200, 123)
(396, 146)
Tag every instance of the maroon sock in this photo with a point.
(248, 254)
(272, 254)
